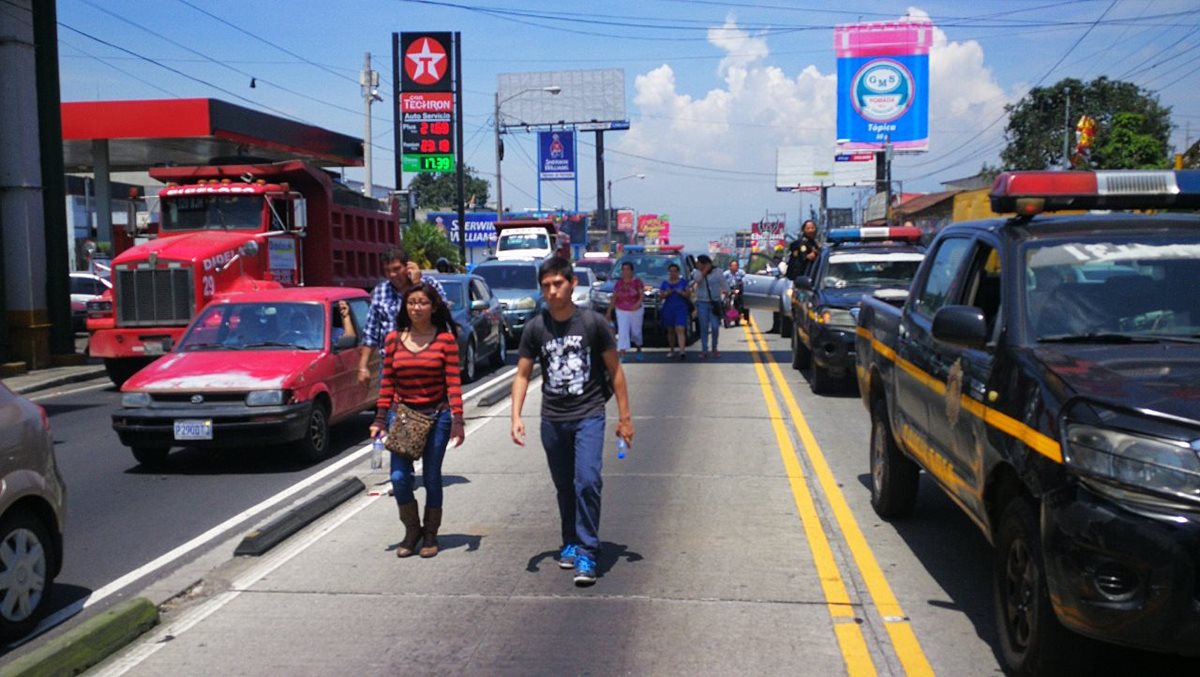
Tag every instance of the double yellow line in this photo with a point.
(841, 608)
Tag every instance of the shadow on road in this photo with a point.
(610, 554)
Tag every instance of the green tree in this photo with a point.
(426, 243)
(1036, 124)
(1129, 147)
(440, 191)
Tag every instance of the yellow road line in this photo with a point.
(848, 632)
(904, 640)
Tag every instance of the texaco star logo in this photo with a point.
(425, 61)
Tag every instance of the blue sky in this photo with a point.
(712, 88)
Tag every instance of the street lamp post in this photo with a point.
(552, 90)
(612, 205)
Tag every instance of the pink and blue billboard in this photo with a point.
(883, 84)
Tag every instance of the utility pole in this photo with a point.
(499, 158)
(369, 80)
(1067, 132)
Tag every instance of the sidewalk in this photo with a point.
(44, 379)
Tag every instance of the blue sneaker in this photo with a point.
(566, 558)
(585, 570)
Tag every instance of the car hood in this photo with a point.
(1163, 377)
(213, 247)
(516, 294)
(211, 371)
(842, 298)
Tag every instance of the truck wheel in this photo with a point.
(894, 476)
(818, 378)
(315, 443)
(500, 357)
(1032, 640)
(800, 355)
(785, 325)
(151, 457)
(28, 561)
(468, 363)
(120, 369)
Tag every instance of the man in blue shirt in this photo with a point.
(402, 274)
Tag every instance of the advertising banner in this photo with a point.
(625, 220)
(883, 84)
(655, 228)
(556, 155)
(766, 235)
(481, 227)
(426, 102)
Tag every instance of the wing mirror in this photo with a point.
(961, 326)
(479, 304)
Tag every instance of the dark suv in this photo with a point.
(650, 266)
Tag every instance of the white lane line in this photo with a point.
(486, 386)
(58, 393)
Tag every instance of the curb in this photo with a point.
(261, 540)
(91, 642)
(503, 390)
(57, 381)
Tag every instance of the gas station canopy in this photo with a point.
(188, 132)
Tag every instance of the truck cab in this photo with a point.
(525, 239)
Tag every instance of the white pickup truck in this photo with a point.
(525, 239)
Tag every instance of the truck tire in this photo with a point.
(151, 457)
(1032, 641)
(315, 444)
(801, 357)
(28, 563)
(785, 325)
(468, 363)
(500, 357)
(120, 369)
(894, 477)
(818, 378)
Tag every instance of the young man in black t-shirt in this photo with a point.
(580, 369)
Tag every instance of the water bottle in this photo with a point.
(622, 447)
(377, 453)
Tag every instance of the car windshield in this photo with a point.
(212, 212)
(257, 326)
(509, 276)
(651, 269)
(1105, 287)
(454, 293)
(866, 271)
(510, 242)
(602, 269)
(584, 276)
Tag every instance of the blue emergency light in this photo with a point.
(906, 234)
(1030, 193)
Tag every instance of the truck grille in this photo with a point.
(151, 298)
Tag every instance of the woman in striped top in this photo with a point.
(420, 369)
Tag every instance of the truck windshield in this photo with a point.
(864, 271)
(257, 326)
(509, 277)
(515, 242)
(212, 212)
(1107, 287)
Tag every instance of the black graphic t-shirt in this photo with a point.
(573, 370)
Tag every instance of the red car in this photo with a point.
(262, 367)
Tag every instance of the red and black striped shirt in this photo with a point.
(422, 379)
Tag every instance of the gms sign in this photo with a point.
(883, 84)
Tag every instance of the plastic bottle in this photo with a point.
(622, 447)
(377, 453)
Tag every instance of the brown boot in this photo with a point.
(410, 517)
(433, 520)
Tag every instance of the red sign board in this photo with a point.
(625, 220)
(425, 62)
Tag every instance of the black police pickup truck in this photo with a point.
(855, 262)
(1045, 373)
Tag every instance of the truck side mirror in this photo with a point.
(479, 304)
(803, 283)
(961, 326)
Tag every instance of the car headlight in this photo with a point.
(134, 400)
(1156, 464)
(265, 398)
(526, 303)
(601, 297)
(835, 317)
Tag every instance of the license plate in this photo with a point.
(193, 429)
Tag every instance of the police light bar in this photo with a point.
(653, 248)
(1029, 193)
(907, 234)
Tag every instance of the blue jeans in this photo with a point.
(431, 465)
(575, 453)
(708, 323)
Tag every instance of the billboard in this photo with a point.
(585, 97)
(883, 84)
(556, 155)
(655, 228)
(481, 227)
(804, 168)
(766, 235)
(625, 220)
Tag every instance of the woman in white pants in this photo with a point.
(627, 302)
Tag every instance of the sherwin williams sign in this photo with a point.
(556, 155)
(883, 84)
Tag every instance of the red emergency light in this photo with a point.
(904, 233)
(1030, 193)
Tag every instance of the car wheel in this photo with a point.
(818, 378)
(315, 443)
(26, 562)
(1032, 640)
(894, 476)
(800, 355)
(468, 362)
(151, 457)
(500, 357)
(785, 325)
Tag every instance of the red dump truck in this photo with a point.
(225, 228)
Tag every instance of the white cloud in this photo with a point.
(754, 107)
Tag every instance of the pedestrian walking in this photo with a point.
(580, 371)
(676, 311)
(627, 296)
(710, 292)
(386, 299)
(421, 371)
